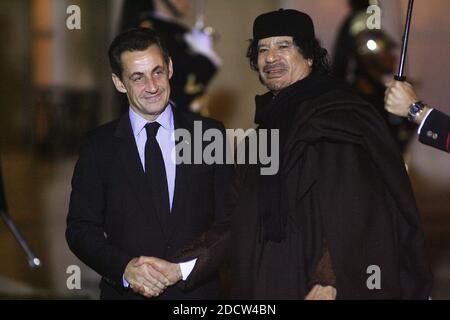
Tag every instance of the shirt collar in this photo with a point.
(165, 119)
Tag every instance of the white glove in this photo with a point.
(202, 43)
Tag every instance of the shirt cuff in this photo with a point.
(186, 268)
(125, 282)
(423, 121)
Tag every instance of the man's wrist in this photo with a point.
(422, 115)
(415, 111)
(178, 271)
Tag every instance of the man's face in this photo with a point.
(145, 80)
(280, 64)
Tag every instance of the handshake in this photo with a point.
(150, 276)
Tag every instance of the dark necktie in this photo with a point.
(156, 171)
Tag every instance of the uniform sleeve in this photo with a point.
(435, 131)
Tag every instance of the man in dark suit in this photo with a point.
(434, 126)
(131, 203)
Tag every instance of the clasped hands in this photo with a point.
(150, 276)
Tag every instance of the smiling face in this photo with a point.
(280, 63)
(145, 80)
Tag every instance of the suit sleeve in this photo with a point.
(85, 221)
(436, 131)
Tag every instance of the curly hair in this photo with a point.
(309, 49)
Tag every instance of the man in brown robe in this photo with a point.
(339, 218)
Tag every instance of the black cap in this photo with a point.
(283, 23)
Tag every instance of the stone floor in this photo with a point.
(38, 192)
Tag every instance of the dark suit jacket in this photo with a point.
(436, 131)
(112, 218)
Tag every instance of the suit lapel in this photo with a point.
(129, 155)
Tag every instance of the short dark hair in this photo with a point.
(136, 39)
(309, 49)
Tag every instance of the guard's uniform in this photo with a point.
(192, 71)
(435, 131)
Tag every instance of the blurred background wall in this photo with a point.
(55, 85)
